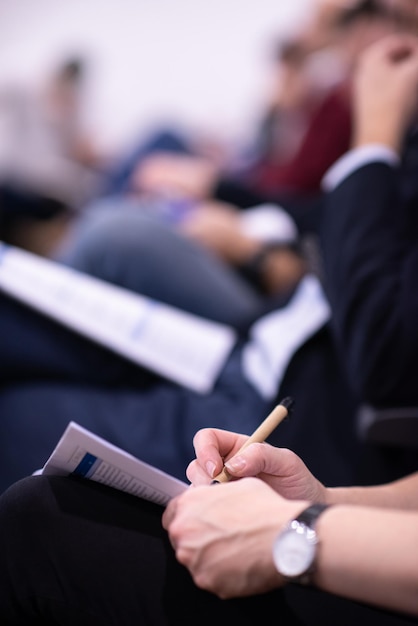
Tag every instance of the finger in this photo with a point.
(213, 445)
(395, 46)
(253, 460)
(196, 474)
(169, 513)
(262, 458)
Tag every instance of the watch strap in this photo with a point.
(310, 515)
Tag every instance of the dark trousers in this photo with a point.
(74, 552)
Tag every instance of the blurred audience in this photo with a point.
(305, 128)
(369, 240)
(177, 188)
(48, 164)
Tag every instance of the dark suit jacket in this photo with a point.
(370, 254)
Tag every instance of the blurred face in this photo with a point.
(407, 10)
(362, 34)
(402, 17)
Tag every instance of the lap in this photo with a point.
(75, 551)
(88, 554)
(119, 241)
(154, 421)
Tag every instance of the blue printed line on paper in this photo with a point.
(86, 464)
(4, 248)
(142, 322)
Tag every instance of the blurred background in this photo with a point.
(198, 63)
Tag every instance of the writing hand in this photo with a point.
(280, 468)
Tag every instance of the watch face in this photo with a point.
(294, 550)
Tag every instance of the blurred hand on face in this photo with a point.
(386, 91)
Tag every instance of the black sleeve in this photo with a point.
(370, 257)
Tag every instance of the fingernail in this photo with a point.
(236, 464)
(210, 468)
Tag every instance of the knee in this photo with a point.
(117, 231)
(26, 507)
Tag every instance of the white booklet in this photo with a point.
(185, 348)
(82, 453)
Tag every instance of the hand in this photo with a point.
(178, 174)
(280, 468)
(386, 91)
(224, 535)
(217, 227)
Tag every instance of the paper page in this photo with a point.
(185, 348)
(269, 222)
(82, 453)
(275, 337)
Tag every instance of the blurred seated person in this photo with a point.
(48, 163)
(306, 127)
(158, 239)
(173, 186)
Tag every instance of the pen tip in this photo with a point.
(288, 403)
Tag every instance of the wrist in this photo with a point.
(273, 266)
(245, 250)
(295, 548)
(387, 136)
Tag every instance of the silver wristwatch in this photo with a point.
(294, 549)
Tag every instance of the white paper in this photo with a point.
(82, 453)
(275, 337)
(185, 348)
(269, 222)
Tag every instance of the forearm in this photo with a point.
(399, 494)
(385, 91)
(369, 555)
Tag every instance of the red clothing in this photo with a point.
(327, 138)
